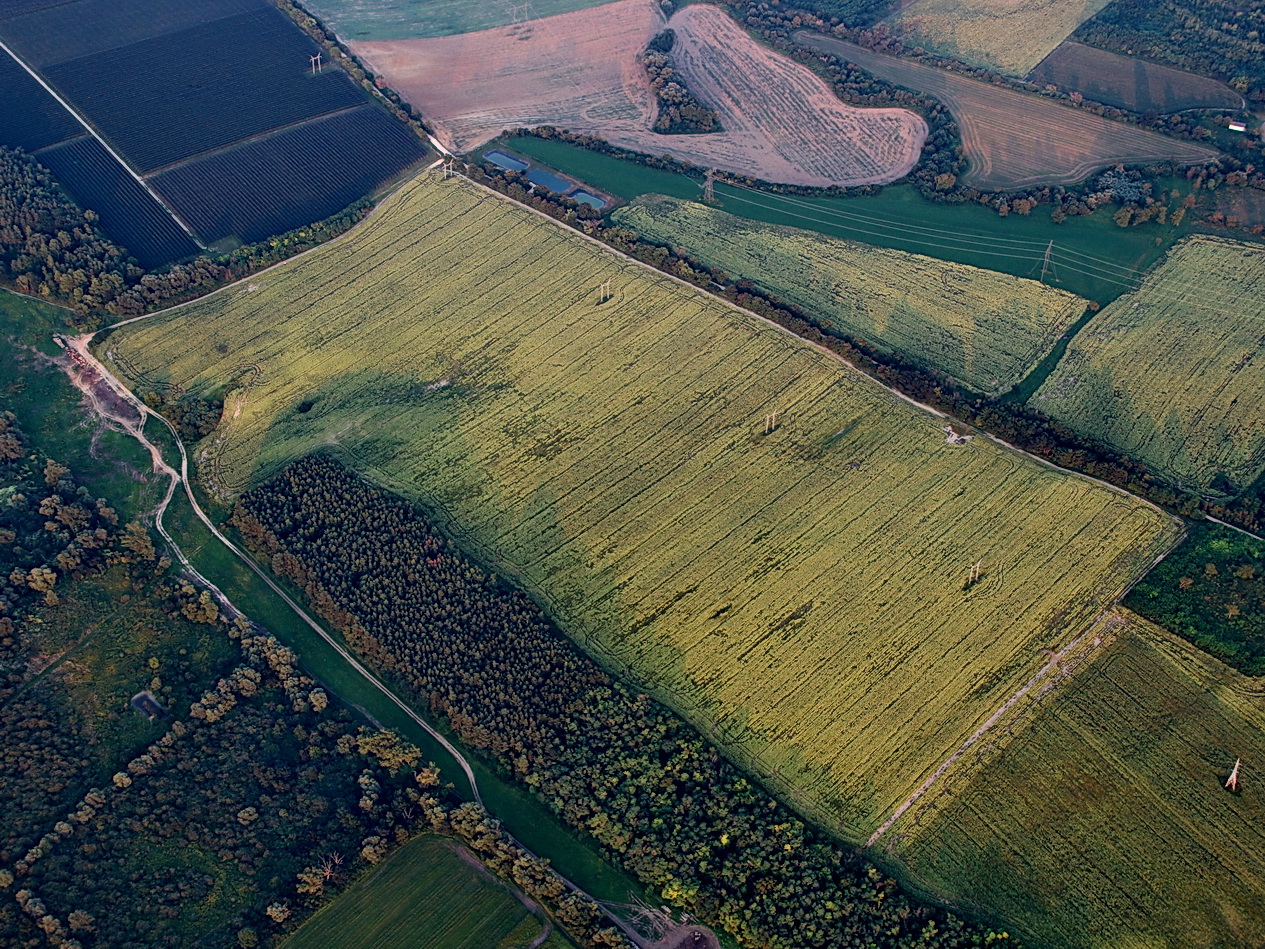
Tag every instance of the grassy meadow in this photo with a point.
(425, 896)
(1172, 374)
(1104, 822)
(1093, 257)
(1009, 36)
(984, 329)
(795, 589)
(366, 20)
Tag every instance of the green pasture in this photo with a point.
(709, 505)
(984, 329)
(1092, 257)
(1104, 822)
(360, 21)
(1172, 374)
(424, 896)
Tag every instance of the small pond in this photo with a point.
(502, 160)
(548, 180)
(592, 200)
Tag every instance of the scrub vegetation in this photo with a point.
(738, 540)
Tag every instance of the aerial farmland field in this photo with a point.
(1014, 140)
(582, 71)
(1172, 374)
(795, 585)
(1131, 83)
(1103, 823)
(426, 896)
(1009, 36)
(359, 20)
(984, 329)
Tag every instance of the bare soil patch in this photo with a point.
(581, 71)
(1130, 83)
(1014, 140)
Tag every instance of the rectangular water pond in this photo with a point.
(592, 200)
(549, 180)
(502, 160)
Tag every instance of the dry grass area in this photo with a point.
(1130, 83)
(1010, 36)
(582, 71)
(1104, 823)
(1014, 140)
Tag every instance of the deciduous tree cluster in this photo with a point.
(680, 112)
(611, 762)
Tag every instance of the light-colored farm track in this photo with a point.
(798, 595)
(1173, 373)
(1010, 36)
(582, 71)
(1012, 139)
(1102, 821)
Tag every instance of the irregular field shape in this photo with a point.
(1172, 374)
(1104, 823)
(358, 20)
(797, 595)
(424, 897)
(31, 118)
(282, 181)
(69, 30)
(1007, 134)
(986, 330)
(1014, 140)
(582, 71)
(129, 213)
(163, 103)
(1130, 83)
(1009, 36)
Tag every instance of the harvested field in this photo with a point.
(1172, 374)
(986, 330)
(1009, 36)
(582, 71)
(1014, 140)
(360, 20)
(1130, 83)
(1104, 823)
(797, 593)
(426, 896)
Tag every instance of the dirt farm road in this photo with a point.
(88, 365)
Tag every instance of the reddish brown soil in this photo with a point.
(582, 71)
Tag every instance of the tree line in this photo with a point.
(611, 762)
(680, 112)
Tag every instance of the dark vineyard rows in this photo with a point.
(30, 117)
(178, 95)
(128, 212)
(286, 180)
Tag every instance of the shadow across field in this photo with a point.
(1014, 140)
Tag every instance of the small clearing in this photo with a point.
(1014, 140)
(582, 71)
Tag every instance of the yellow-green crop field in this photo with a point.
(1104, 823)
(797, 593)
(1174, 373)
(987, 330)
(424, 897)
(1009, 36)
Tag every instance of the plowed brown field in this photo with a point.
(1012, 139)
(581, 71)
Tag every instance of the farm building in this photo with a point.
(147, 705)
